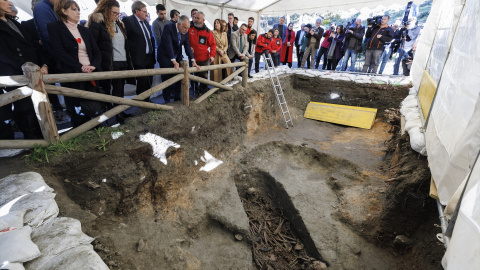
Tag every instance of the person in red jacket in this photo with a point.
(287, 49)
(201, 40)
(275, 47)
(263, 45)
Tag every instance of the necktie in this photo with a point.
(179, 38)
(147, 37)
(241, 42)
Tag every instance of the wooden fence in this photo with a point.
(37, 86)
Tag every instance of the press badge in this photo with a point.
(202, 40)
(278, 42)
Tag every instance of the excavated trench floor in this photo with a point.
(313, 195)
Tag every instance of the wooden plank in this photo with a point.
(21, 144)
(57, 90)
(13, 81)
(245, 74)
(433, 190)
(426, 93)
(107, 75)
(213, 83)
(213, 90)
(185, 85)
(341, 114)
(15, 95)
(41, 104)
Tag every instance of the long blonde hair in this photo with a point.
(104, 7)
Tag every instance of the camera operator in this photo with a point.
(409, 37)
(379, 35)
(387, 52)
(313, 43)
(353, 44)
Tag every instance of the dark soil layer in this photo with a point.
(352, 94)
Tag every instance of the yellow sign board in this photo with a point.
(426, 92)
(341, 114)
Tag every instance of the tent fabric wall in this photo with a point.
(449, 50)
(450, 151)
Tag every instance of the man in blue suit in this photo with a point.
(174, 36)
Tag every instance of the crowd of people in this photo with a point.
(57, 41)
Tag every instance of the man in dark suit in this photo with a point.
(174, 36)
(298, 41)
(142, 43)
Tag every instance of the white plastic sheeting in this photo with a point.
(453, 114)
(449, 50)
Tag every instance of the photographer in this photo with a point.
(409, 37)
(313, 43)
(379, 35)
(353, 44)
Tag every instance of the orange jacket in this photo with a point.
(201, 39)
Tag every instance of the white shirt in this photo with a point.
(142, 24)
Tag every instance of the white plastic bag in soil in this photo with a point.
(56, 237)
(17, 247)
(12, 220)
(41, 207)
(159, 145)
(16, 185)
(80, 257)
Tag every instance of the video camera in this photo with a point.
(377, 20)
(351, 25)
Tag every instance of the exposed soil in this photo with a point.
(341, 194)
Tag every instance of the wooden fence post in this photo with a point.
(41, 104)
(185, 83)
(245, 73)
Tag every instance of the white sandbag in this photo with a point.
(363, 77)
(56, 237)
(11, 266)
(417, 141)
(412, 91)
(16, 185)
(17, 247)
(413, 123)
(12, 220)
(349, 75)
(41, 207)
(81, 257)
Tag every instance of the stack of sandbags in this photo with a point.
(28, 211)
(410, 109)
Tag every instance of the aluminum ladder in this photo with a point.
(267, 58)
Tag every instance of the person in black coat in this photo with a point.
(75, 52)
(174, 36)
(142, 43)
(109, 34)
(16, 49)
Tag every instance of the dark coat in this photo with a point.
(16, 50)
(358, 34)
(137, 45)
(297, 38)
(104, 40)
(66, 48)
(32, 30)
(378, 43)
(170, 48)
(284, 34)
(317, 34)
(338, 45)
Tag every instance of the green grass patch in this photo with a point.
(43, 154)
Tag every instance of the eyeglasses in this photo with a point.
(115, 13)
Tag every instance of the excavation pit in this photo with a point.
(331, 184)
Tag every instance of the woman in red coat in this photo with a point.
(275, 47)
(287, 48)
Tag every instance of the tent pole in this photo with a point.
(258, 23)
